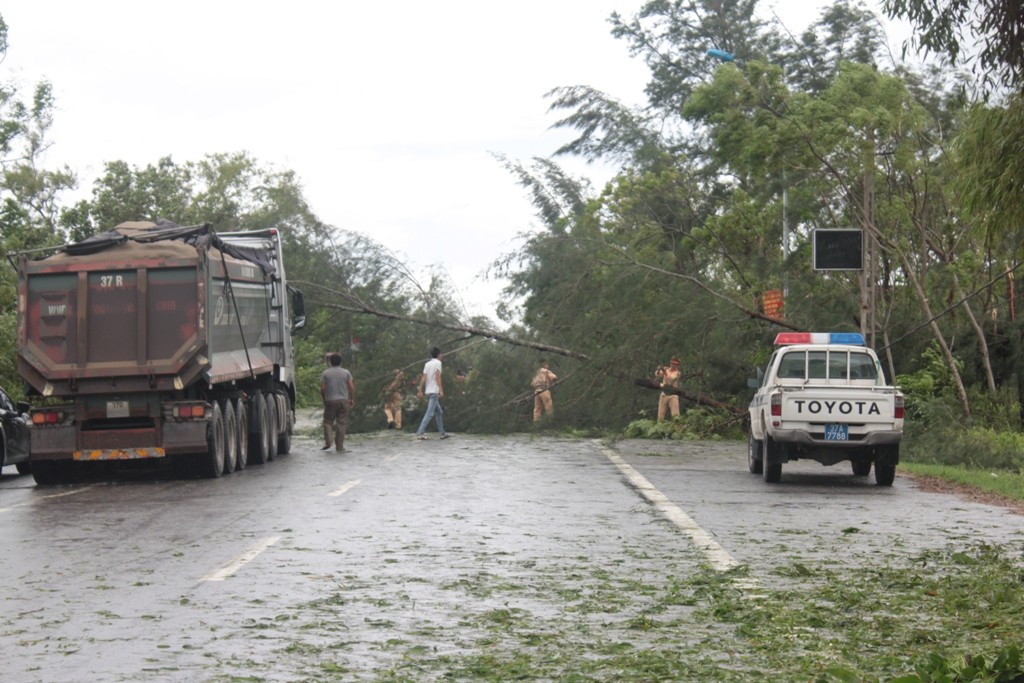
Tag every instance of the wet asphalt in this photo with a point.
(343, 566)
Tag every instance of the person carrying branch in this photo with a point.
(668, 377)
(542, 383)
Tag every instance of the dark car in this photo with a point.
(14, 428)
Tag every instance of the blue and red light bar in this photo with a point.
(853, 338)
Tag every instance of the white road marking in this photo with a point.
(345, 487)
(242, 560)
(718, 556)
(35, 500)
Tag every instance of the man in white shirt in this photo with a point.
(432, 385)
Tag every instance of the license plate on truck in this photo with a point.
(117, 409)
(837, 433)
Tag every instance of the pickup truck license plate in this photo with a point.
(837, 433)
(117, 409)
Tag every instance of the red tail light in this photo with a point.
(776, 405)
(898, 408)
(47, 417)
(190, 411)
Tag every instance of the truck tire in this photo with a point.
(771, 471)
(861, 468)
(230, 436)
(259, 436)
(272, 426)
(284, 441)
(884, 474)
(51, 473)
(211, 464)
(242, 417)
(755, 454)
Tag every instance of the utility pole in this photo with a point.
(868, 273)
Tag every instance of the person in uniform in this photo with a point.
(393, 400)
(542, 383)
(668, 377)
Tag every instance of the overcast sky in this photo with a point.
(389, 112)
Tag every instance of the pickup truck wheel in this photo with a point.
(24, 467)
(755, 454)
(861, 468)
(230, 436)
(771, 471)
(242, 417)
(884, 474)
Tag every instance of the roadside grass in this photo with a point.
(1003, 483)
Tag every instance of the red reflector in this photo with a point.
(191, 411)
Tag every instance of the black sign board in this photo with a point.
(838, 249)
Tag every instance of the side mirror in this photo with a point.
(298, 308)
(24, 407)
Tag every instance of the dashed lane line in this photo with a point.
(717, 556)
(39, 498)
(344, 488)
(245, 558)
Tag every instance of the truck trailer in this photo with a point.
(156, 340)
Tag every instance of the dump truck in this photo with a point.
(155, 340)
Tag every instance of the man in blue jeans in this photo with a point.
(432, 385)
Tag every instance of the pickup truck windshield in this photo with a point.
(826, 364)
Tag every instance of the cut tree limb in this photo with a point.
(691, 396)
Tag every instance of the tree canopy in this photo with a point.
(725, 172)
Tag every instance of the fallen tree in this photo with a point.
(692, 396)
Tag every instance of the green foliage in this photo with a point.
(1005, 483)
(976, 447)
(694, 424)
(9, 378)
(956, 28)
(929, 390)
(1004, 666)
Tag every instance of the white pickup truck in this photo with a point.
(824, 397)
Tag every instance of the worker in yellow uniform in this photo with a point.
(542, 383)
(393, 400)
(668, 377)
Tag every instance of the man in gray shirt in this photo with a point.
(338, 391)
